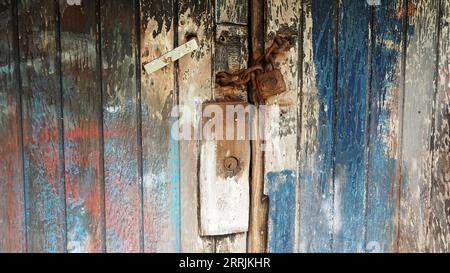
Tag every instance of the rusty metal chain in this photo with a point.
(263, 64)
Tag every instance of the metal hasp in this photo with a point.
(171, 56)
(224, 170)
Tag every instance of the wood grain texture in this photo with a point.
(232, 11)
(235, 243)
(122, 182)
(281, 127)
(195, 87)
(418, 108)
(159, 150)
(439, 224)
(384, 125)
(12, 206)
(316, 146)
(42, 130)
(351, 117)
(257, 234)
(82, 128)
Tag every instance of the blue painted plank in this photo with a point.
(351, 101)
(281, 188)
(383, 164)
(316, 164)
(41, 108)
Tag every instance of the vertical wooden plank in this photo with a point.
(12, 206)
(439, 229)
(122, 183)
(82, 127)
(159, 151)
(195, 87)
(317, 138)
(257, 234)
(41, 107)
(383, 160)
(231, 52)
(283, 17)
(351, 115)
(418, 102)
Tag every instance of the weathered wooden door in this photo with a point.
(359, 152)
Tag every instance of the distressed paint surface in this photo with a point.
(439, 223)
(42, 136)
(283, 17)
(224, 197)
(350, 138)
(82, 128)
(160, 164)
(232, 11)
(82, 148)
(316, 146)
(195, 87)
(418, 106)
(12, 206)
(122, 181)
(384, 126)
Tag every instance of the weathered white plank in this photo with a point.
(418, 102)
(224, 189)
(281, 134)
(439, 229)
(195, 87)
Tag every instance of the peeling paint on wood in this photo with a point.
(439, 223)
(232, 11)
(195, 87)
(81, 111)
(316, 139)
(384, 125)
(283, 17)
(122, 182)
(12, 206)
(351, 117)
(42, 136)
(418, 106)
(161, 179)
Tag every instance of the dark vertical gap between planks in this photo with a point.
(433, 120)
(176, 98)
(101, 131)
(301, 54)
(405, 23)
(335, 100)
(60, 115)
(367, 151)
(139, 123)
(18, 78)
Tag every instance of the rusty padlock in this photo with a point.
(270, 83)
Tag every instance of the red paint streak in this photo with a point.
(411, 9)
(117, 130)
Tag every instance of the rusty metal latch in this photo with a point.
(171, 56)
(269, 80)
